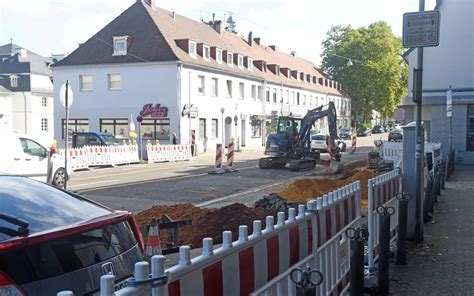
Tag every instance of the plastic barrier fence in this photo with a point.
(87, 156)
(160, 153)
(382, 192)
(260, 263)
(392, 151)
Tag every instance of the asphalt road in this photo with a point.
(138, 187)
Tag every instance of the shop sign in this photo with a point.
(156, 111)
(190, 110)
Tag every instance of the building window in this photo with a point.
(230, 61)
(44, 102)
(153, 129)
(260, 92)
(215, 87)
(310, 100)
(292, 97)
(241, 90)
(274, 96)
(75, 125)
(201, 85)
(287, 97)
(85, 82)
(117, 127)
(120, 46)
(256, 128)
(114, 81)
(229, 88)
(304, 100)
(192, 49)
(470, 128)
(202, 128)
(250, 64)
(215, 129)
(44, 124)
(297, 98)
(267, 95)
(14, 81)
(219, 55)
(240, 61)
(206, 52)
(254, 92)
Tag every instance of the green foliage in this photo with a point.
(377, 79)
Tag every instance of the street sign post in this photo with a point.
(66, 98)
(449, 114)
(421, 29)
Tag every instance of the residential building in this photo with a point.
(176, 75)
(26, 92)
(449, 64)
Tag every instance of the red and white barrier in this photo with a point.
(230, 157)
(354, 144)
(382, 191)
(218, 162)
(160, 153)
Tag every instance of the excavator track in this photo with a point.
(299, 165)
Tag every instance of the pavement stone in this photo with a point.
(444, 263)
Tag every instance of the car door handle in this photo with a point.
(27, 159)
(16, 158)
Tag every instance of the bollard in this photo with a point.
(384, 245)
(443, 174)
(158, 269)
(358, 238)
(403, 198)
(427, 199)
(65, 293)
(306, 280)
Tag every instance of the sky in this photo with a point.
(58, 26)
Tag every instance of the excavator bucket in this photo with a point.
(335, 167)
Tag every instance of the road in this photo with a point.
(138, 187)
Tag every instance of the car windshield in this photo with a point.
(110, 140)
(319, 137)
(345, 130)
(396, 131)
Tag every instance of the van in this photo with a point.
(23, 155)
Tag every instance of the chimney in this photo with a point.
(250, 38)
(173, 15)
(218, 27)
(257, 40)
(274, 47)
(293, 53)
(151, 3)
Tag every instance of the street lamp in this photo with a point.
(222, 120)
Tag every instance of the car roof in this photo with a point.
(397, 131)
(42, 206)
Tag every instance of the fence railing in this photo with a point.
(87, 156)
(393, 151)
(382, 191)
(161, 153)
(260, 263)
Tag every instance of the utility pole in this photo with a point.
(419, 148)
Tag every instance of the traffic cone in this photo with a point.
(153, 246)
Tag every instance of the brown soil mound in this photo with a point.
(304, 190)
(205, 222)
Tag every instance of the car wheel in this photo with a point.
(59, 177)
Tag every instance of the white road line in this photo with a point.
(100, 182)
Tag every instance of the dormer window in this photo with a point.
(219, 55)
(315, 80)
(240, 61)
(206, 52)
(192, 49)
(250, 64)
(120, 45)
(14, 81)
(302, 76)
(308, 77)
(229, 59)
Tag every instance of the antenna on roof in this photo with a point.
(231, 23)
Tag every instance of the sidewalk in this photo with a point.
(444, 263)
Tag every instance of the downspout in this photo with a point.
(26, 118)
(264, 121)
(178, 99)
(189, 106)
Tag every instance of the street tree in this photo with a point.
(376, 76)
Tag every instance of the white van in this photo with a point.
(21, 154)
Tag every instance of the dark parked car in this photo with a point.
(378, 129)
(345, 133)
(395, 135)
(52, 240)
(80, 139)
(364, 132)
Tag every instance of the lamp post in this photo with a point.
(222, 120)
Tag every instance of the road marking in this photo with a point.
(100, 182)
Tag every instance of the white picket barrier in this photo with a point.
(160, 153)
(261, 263)
(382, 191)
(392, 151)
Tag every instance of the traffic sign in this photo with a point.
(421, 29)
(62, 95)
(449, 102)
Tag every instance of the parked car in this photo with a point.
(364, 132)
(52, 240)
(320, 142)
(80, 139)
(24, 155)
(345, 133)
(378, 129)
(395, 135)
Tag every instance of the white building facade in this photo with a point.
(219, 92)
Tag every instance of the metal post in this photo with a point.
(358, 238)
(403, 198)
(140, 152)
(384, 244)
(67, 134)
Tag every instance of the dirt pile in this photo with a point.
(205, 222)
(304, 190)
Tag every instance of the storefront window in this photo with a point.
(256, 128)
(117, 127)
(75, 125)
(153, 129)
(470, 129)
(215, 129)
(202, 128)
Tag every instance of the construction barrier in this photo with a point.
(161, 153)
(354, 144)
(382, 191)
(230, 156)
(261, 263)
(393, 151)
